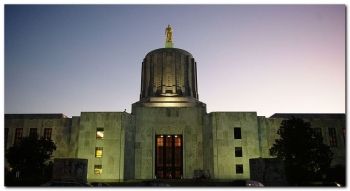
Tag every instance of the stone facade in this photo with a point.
(70, 169)
(188, 122)
(113, 143)
(122, 146)
(61, 132)
(222, 126)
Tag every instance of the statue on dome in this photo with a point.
(169, 34)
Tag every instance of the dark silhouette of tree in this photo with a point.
(29, 160)
(337, 174)
(305, 156)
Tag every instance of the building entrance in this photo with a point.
(169, 156)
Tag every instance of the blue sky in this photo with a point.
(269, 59)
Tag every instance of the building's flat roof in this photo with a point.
(309, 115)
(36, 116)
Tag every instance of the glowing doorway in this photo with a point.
(169, 156)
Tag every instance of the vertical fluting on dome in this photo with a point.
(169, 72)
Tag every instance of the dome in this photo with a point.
(169, 72)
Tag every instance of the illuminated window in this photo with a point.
(47, 133)
(160, 141)
(98, 152)
(238, 152)
(237, 133)
(332, 137)
(239, 168)
(33, 132)
(18, 135)
(98, 169)
(177, 141)
(99, 133)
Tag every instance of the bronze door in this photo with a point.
(168, 156)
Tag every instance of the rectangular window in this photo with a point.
(237, 133)
(47, 133)
(99, 133)
(317, 131)
(238, 152)
(6, 136)
(239, 168)
(98, 152)
(33, 132)
(18, 135)
(332, 137)
(98, 169)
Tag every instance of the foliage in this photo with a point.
(305, 155)
(29, 158)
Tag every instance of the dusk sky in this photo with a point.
(264, 58)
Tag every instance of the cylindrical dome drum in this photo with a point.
(169, 72)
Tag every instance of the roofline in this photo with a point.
(35, 115)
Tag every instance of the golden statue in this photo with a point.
(169, 34)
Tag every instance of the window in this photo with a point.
(237, 133)
(332, 137)
(98, 152)
(98, 169)
(99, 133)
(239, 168)
(18, 135)
(317, 131)
(33, 132)
(47, 133)
(238, 152)
(6, 136)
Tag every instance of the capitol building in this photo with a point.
(169, 134)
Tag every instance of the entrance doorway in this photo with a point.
(168, 156)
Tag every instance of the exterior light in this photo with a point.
(168, 135)
(175, 136)
(161, 136)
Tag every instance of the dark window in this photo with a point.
(238, 152)
(47, 133)
(317, 132)
(18, 135)
(239, 168)
(332, 137)
(33, 132)
(6, 136)
(99, 133)
(237, 133)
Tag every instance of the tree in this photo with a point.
(305, 156)
(29, 159)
